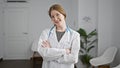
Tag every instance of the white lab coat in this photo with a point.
(56, 57)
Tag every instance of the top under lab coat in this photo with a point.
(56, 57)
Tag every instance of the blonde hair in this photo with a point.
(58, 8)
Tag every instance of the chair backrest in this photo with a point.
(110, 53)
(118, 66)
(34, 45)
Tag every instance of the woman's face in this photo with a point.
(57, 18)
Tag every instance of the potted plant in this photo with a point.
(87, 43)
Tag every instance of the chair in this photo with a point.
(105, 59)
(36, 59)
(118, 66)
(34, 45)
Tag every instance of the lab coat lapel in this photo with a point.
(53, 35)
(65, 37)
(53, 38)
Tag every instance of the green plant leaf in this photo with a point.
(82, 32)
(90, 48)
(85, 59)
(86, 45)
(81, 51)
(95, 40)
(81, 44)
(83, 35)
(92, 33)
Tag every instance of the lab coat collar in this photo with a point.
(53, 29)
(65, 37)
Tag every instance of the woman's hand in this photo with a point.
(68, 51)
(46, 44)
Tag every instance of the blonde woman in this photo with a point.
(59, 45)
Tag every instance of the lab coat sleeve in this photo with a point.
(48, 54)
(73, 56)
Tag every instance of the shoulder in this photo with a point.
(75, 33)
(45, 31)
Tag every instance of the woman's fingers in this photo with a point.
(68, 51)
(46, 44)
(43, 44)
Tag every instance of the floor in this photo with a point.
(15, 64)
(19, 64)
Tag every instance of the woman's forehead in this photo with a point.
(54, 12)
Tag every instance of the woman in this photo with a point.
(59, 45)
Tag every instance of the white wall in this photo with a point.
(1, 32)
(105, 20)
(88, 8)
(116, 29)
(108, 26)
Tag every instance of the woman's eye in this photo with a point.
(52, 16)
(57, 14)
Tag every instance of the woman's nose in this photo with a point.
(55, 18)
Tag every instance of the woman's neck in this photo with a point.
(61, 28)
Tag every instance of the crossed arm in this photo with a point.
(59, 55)
(51, 54)
(46, 44)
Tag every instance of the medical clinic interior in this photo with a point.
(97, 22)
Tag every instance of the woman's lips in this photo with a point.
(56, 21)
